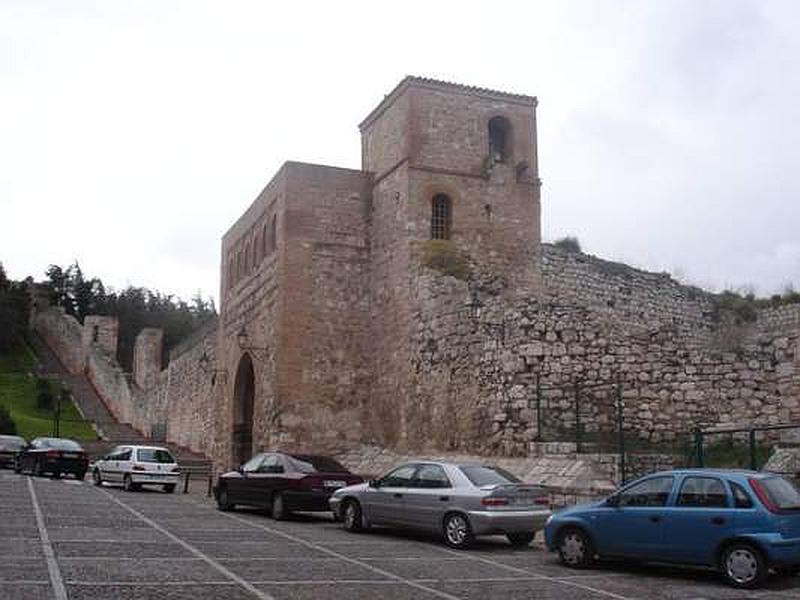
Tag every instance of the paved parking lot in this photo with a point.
(66, 539)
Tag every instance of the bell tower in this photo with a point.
(457, 163)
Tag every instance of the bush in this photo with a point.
(44, 395)
(443, 256)
(568, 243)
(7, 426)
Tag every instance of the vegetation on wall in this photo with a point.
(443, 256)
(743, 308)
(568, 243)
(135, 307)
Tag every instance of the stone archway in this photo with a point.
(243, 399)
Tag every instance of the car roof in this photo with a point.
(138, 447)
(699, 471)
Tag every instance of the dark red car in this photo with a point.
(56, 456)
(283, 483)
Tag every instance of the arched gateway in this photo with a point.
(243, 396)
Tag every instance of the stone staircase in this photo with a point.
(110, 432)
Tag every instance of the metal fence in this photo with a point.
(747, 448)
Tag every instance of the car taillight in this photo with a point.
(53, 454)
(494, 501)
(138, 468)
(759, 490)
(542, 500)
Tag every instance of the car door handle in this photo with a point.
(444, 498)
(718, 521)
(398, 495)
(655, 519)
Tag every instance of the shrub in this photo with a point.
(44, 395)
(568, 243)
(443, 256)
(7, 426)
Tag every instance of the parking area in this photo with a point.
(67, 539)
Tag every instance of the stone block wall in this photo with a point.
(102, 332)
(64, 335)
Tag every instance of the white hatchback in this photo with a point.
(133, 466)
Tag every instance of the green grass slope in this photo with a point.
(18, 395)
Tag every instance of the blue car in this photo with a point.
(742, 523)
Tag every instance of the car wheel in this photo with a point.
(457, 531)
(97, 479)
(17, 467)
(352, 519)
(279, 512)
(743, 566)
(575, 549)
(55, 475)
(521, 539)
(169, 488)
(223, 502)
(127, 484)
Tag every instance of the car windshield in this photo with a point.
(316, 464)
(61, 444)
(154, 455)
(12, 442)
(481, 476)
(782, 492)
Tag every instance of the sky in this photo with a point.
(133, 134)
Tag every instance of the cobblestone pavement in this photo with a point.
(67, 539)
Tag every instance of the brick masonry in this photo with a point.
(352, 341)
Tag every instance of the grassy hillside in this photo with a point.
(18, 394)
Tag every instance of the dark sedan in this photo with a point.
(283, 483)
(56, 456)
(10, 446)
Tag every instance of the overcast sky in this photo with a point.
(133, 134)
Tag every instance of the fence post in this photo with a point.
(753, 460)
(621, 431)
(578, 433)
(186, 482)
(698, 447)
(539, 408)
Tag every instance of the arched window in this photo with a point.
(273, 234)
(230, 273)
(499, 139)
(264, 241)
(441, 217)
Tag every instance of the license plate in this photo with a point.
(523, 500)
(335, 483)
(69, 455)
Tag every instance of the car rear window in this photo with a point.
(154, 456)
(481, 476)
(782, 492)
(316, 464)
(61, 444)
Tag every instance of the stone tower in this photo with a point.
(458, 165)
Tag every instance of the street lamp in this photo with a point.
(205, 367)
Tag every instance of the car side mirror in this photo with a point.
(374, 483)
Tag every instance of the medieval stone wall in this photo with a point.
(598, 323)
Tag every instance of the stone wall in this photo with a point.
(596, 323)
(63, 334)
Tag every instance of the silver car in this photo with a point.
(459, 501)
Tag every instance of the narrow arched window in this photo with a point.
(265, 241)
(273, 234)
(441, 217)
(230, 273)
(499, 139)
